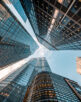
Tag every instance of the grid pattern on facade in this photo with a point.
(15, 41)
(12, 53)
(50, 87)
(62, 89)
(42, 65)
(75, 87)
(13, 88)
(12, 38)
(19, 8)
(10, 27)
(42, 89)
(58, 22)
(29, 85)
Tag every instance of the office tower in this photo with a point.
(13, 88)
(56, 23)
(19, 8)
(15, 41)
(50, 87)
(78, 62)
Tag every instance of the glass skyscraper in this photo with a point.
(19, 8)
(50, 87)
(56, 23)
(15, 41)
(34, 82)
(13, 88)
(46, 86)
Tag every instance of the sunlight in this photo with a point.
(41, 51)
(4, 73)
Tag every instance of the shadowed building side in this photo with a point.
(15, 41)
(56, 22)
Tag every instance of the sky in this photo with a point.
(61, 62)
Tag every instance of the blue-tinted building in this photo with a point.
(56, 23)
(13, 88)
(19, 8)
(34, 82)
(15, 42)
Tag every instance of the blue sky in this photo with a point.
(61, 62)
(64, 63)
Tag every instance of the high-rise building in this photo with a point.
(13, 88)
(19, 8)
(50, 87)
(56, 23)
(34, 82)
(78, 62)
(15, 42)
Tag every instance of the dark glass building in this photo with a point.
(50, 87)
(15, 41)
(56, 23)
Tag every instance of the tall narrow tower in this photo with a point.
(15, 41)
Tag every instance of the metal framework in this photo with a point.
(65, 33)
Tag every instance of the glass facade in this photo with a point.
(57, 22)
(34, 82)
(41, 89)
(50, 87)
(42, 65)
(18, 7)
(13, 88)
(75, 87)
(15, 41)
(63, 92)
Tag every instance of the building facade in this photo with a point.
(50, 87)
(13, 88)
(56, 23)
(19, 8)
(15, 41)
(34, 82)
(78, 64)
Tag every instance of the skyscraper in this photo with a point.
(15, 41)
(34, 82)
(78, 64)
(13, 88)
(19, 8)
(56, 23)
(50, 87)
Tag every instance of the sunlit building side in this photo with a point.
(56, 23)
(78, 64)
